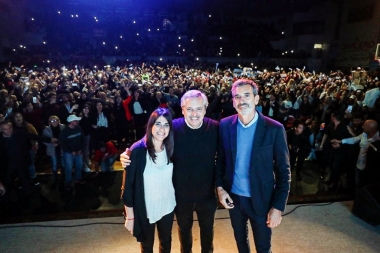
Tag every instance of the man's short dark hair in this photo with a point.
(338, 115)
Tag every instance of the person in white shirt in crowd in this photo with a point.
(370, 134)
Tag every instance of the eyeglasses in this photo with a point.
(53, 120)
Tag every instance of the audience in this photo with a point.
(113, 103)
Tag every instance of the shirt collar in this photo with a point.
(255, 118)
(193, 127)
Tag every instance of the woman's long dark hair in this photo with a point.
(168, 141)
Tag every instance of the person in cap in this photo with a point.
(71, 140)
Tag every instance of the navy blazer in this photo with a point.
(269, 167)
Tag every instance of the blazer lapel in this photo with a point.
(233, 138)
(259, 134)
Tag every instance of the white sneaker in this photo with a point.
(87, 169)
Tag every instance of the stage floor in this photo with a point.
(312, 228)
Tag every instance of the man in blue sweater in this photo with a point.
(253, 171)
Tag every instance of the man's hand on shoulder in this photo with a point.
(124, 158)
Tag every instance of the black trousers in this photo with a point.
(205, 211)
(164, 229)
(14, 170)
(293, 160)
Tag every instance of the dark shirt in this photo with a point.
(194, 160)
(71, 139)
(339, 133)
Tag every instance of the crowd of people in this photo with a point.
(83, 115)
(41, 100)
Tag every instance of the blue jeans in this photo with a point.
(71, 160)
(107, 163)
(86, 151)
(206, 215)
(32, 168)
(240, 214)
(54, 164)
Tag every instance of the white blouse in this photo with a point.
(102, 121)
(158, 187)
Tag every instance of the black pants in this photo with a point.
(164, 229)
(205, 211)
(293, 159)
(16, 170)
(336, 160)
(240, 214)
